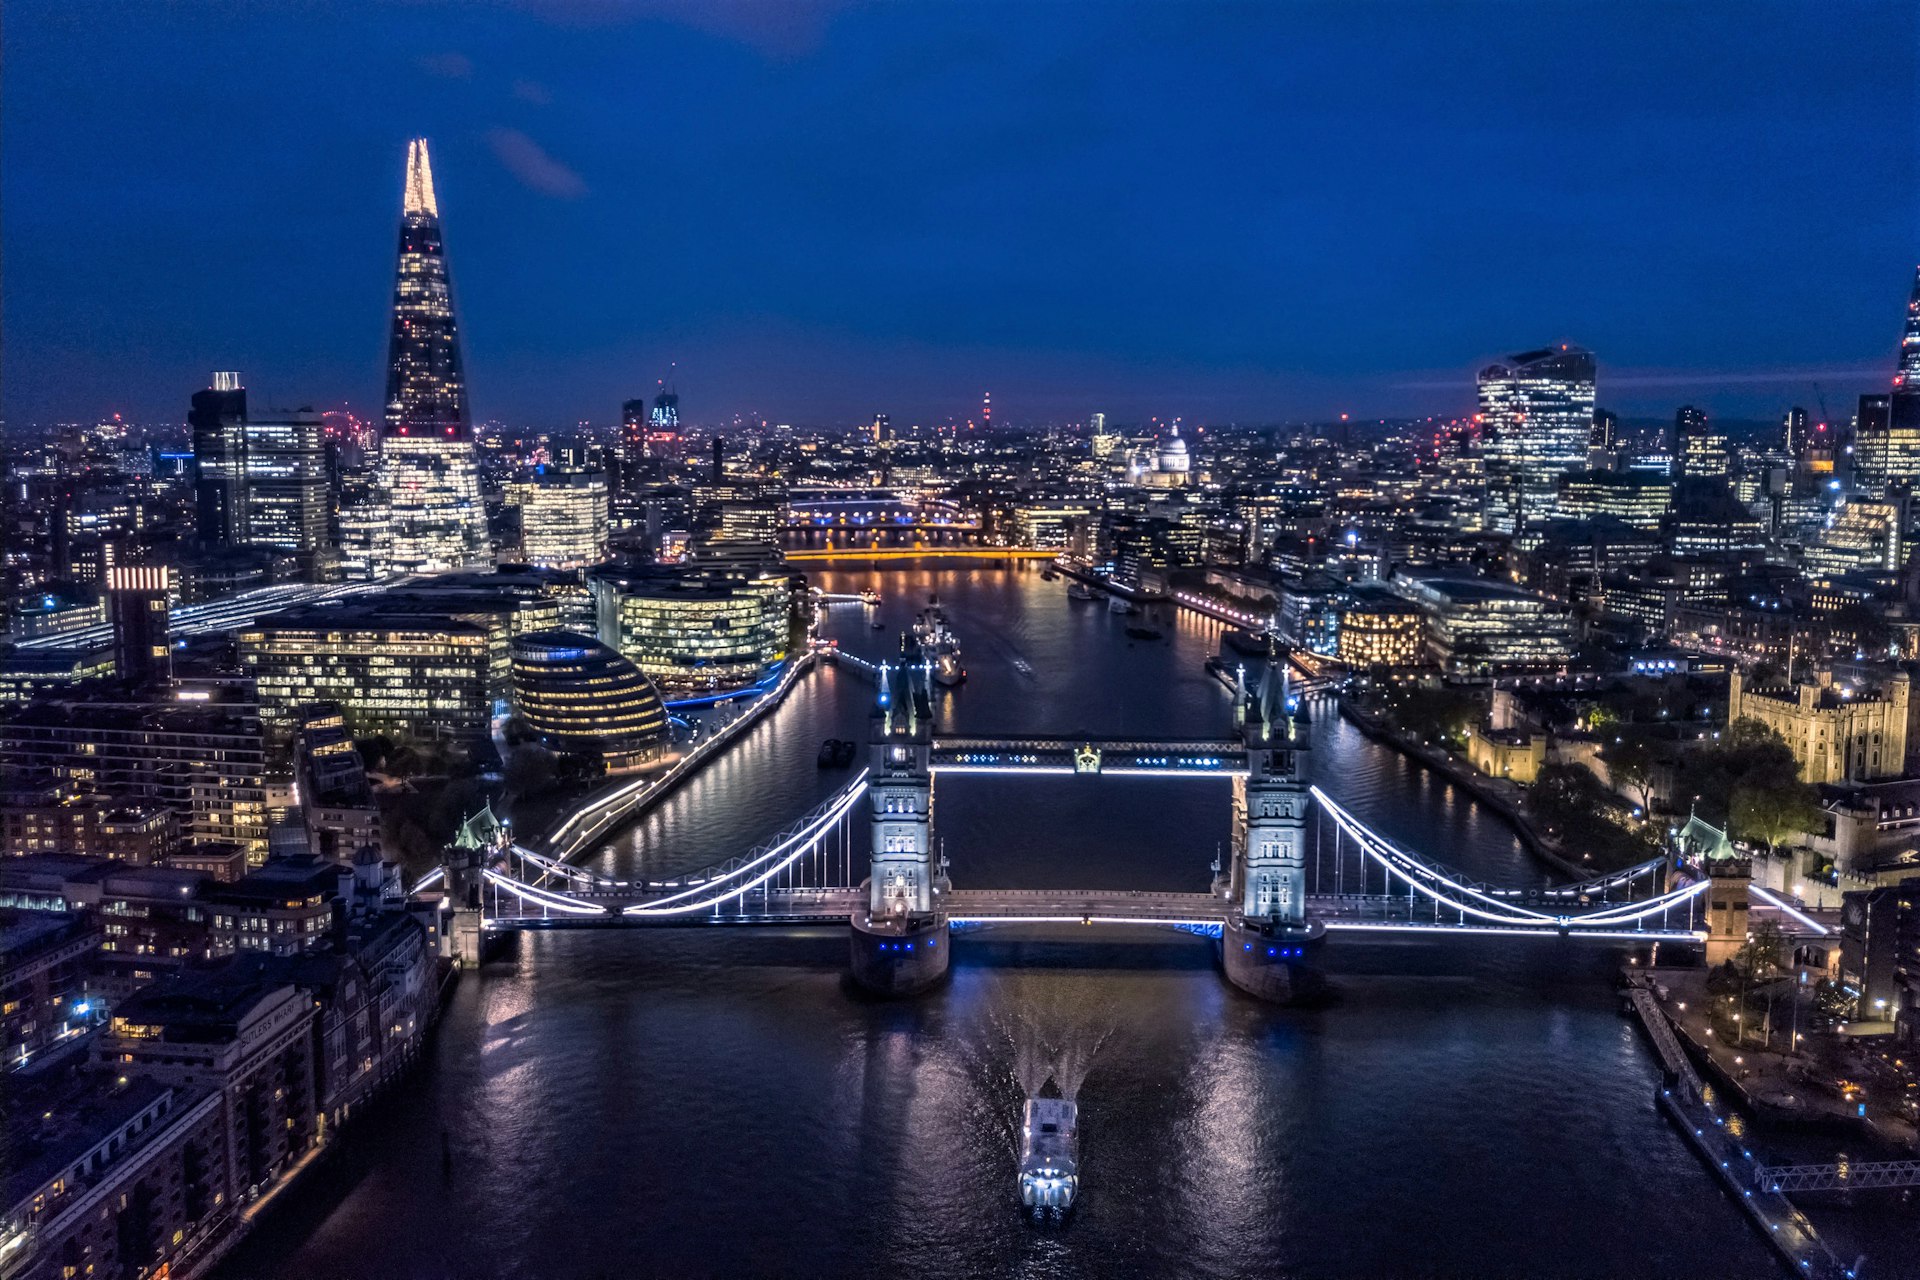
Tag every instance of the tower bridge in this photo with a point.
(1301, 865)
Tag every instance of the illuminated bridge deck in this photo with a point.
(1196, 758)
(1205, 912)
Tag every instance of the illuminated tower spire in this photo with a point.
(1909, 375)
(427, 515)
(419, 197)
(426, 386)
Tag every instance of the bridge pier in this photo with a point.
(1277, 963)
(898, 960)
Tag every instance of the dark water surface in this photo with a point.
(700, 1102)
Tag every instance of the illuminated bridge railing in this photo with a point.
(1843, 1175)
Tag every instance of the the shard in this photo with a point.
(426, 387)
(1908, 379)
(432, 517)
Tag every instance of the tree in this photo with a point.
(530, 769)
(1747, 735)
(1770, 814)
(1630, 764)
(1748, 754)
(1759, 958)
(1435, 713)
(1565, 797)
(374, 749)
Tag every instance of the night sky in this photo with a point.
(1230, 212)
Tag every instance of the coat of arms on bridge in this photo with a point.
(1086, 759)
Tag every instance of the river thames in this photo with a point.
(694, 1102)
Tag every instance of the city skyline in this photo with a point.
(1392, 530)
(1148, 260)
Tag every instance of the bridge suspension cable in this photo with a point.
(702, 890)
(762, 866)
(542, 897)
(1435, 882)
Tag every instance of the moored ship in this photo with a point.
(939, 648)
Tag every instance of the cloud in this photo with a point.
(447, 66)
(784, 30)
(528, 161)
(1634, 379)
(532, 91)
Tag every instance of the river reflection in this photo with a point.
(719, 1102)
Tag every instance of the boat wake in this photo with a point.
(1053, 1043)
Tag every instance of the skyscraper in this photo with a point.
(219, 422)
(1606, 430)
(1699, 451)
(630, 451)
(1886, 448)
(666, 413)
(563, 518)
(1536, 412)
(137, 606)
(1909, 376)
(426, 388)
(1887, 432)
(286, 469)
(429, 475)
(1793, 428)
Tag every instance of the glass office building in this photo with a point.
(694, 632)
(1536, 418)
(583, 698)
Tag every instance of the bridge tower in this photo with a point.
(1728, 880)
(1267, 944)
(480, 840)
(899, 934)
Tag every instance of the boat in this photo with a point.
(1049, 1157)
(939, 648)
(1142, 633)
(1048, 575)
(879, 625)
(828, 750)
(947, 669)
(1116, 604)
(869, 596)
(1079, 591)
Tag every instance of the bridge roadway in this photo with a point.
(1033, 753)
(1354, 912)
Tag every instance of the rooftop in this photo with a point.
(47, 1125)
